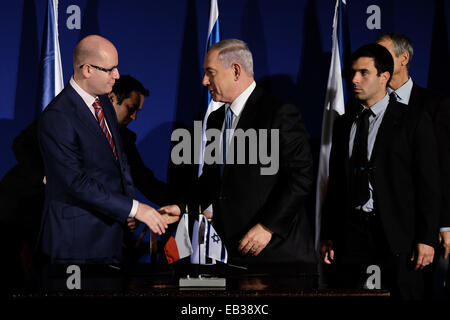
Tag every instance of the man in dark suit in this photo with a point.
(382, 206)
(21, 202)
(410, 93)
(127, 97)
(259, 215)
(89, 195)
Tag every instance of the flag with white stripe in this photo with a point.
(213, 37)
(179, 244)
(51, 68)
(334, 104)
(207, 245)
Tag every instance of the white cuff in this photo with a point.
(134, 209)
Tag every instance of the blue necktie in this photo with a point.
(226, 132)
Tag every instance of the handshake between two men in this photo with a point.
(255, 240)
(156, 220)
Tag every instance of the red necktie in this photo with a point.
(101, 120)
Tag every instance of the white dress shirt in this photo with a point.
(378, 110)
(404, 92)
(236, 106)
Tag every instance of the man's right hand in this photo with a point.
(171, 213)
(151, 218)
(327, 252)
(172, 210)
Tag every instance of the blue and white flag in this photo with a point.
(213, 37)
(334, 105)
(51, 69)
(215, 249)
(206, 243)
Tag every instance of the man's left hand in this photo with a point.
(132, 224)
(255, 240)
(425, 254)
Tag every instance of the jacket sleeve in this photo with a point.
(288, 198)
(426, 180)
(442, 128)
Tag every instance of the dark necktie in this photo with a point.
(393, 96)
(101, 121)
(360, 163)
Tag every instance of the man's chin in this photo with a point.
(359, 96)
(216, 99)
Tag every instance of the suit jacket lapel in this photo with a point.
(348, 120)
(391, 119)
(249, 113)
(416, 95)
(87, 118)
(111, 119)
(216, 118)
(83, 113)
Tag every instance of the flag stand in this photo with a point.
(201, 281)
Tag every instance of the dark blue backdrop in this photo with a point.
(162, 44)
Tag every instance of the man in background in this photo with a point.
(382, 206)
(127, 97)
(406, 91)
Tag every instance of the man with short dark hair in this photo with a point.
(127, 97)
(382, 205)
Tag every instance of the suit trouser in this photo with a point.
(365, 245)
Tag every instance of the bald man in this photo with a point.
(89, 196)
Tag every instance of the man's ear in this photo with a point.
(112, 97)
(385, 76)
(236, 67)
(85, 71)
(404, 58)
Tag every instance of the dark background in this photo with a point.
(162, 43)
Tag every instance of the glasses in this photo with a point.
(110, 70)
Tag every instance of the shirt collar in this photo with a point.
(380, 106)
(404, 92)
(87, 98)
(238, 104)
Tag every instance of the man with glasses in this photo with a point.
(89, 196)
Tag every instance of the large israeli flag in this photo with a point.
(334, 106)
(51, 68)
(213, 37)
